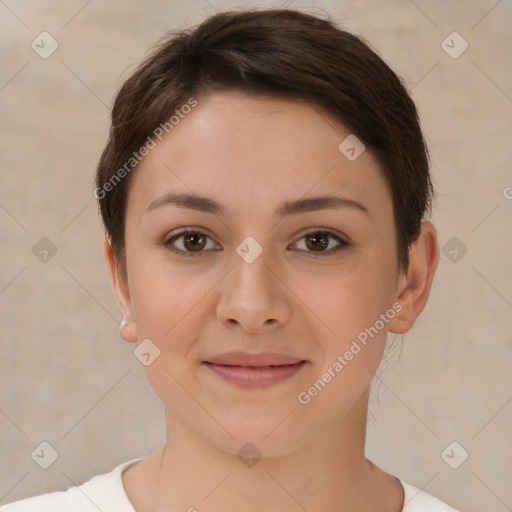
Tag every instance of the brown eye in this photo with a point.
(194, 241)
(189, 242)
(317, 241)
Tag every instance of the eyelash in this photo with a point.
(342, 243)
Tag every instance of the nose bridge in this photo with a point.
(252, 277)
(252, 296)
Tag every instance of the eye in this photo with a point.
(192, 241)
(318, 240)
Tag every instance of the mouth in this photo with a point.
(254, 370)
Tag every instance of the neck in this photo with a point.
(328, 474)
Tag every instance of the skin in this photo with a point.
(251, 153)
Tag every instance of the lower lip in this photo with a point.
(255, 376)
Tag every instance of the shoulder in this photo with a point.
(416, 500)
(103, 492)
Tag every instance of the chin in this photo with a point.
(266, 435)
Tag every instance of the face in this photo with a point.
(270, 316)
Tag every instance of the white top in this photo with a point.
(106, 493)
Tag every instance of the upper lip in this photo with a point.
(247, 359)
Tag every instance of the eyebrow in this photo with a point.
(208, 205)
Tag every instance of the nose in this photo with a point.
(254, 297)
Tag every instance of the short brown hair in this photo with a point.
(282, 53)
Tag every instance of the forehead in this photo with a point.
(253, 152)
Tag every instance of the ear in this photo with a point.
(414, 285)
(119, 283)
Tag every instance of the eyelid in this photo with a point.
(321, 229)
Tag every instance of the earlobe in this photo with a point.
(127, 328)
(414, 285)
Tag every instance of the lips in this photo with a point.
(246, 359)
(254, 370)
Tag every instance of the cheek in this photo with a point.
(350, 303)
(166, 303)
(170, 307)
(170, 310)
(349, 297)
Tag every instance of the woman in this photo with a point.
(263, 190)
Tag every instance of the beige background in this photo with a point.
(66, 376)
